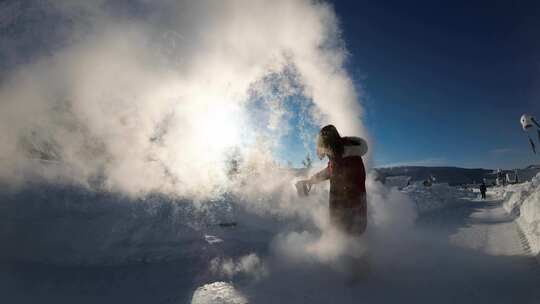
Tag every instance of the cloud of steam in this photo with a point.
(249, 265)
(189, 99)
(154, 95)
(389, 210)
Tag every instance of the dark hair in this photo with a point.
(329, 142)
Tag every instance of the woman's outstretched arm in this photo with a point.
(320, 176)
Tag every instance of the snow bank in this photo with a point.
(437, 196)
(218, 293)
(522, 200)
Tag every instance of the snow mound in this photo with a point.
(218, 293)
(436, 196)
(523, 201)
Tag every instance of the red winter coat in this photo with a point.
(347, 183)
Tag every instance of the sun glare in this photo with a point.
(222, 126)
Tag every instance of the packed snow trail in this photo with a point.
(498, 266)
(490, 229)
(472, 253)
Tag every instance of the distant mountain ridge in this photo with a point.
(453, 175)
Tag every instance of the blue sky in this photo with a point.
(445, 82)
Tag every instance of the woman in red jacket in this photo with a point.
(347, 175)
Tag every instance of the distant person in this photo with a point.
(483, 190)
(347, 175)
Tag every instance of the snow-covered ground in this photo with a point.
(66, 244)
(437, 196)
(523, 201)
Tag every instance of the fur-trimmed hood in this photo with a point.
(354, 146)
